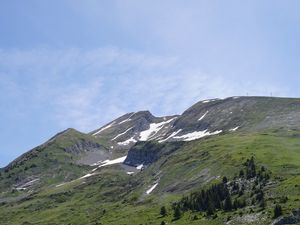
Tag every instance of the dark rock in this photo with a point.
(148, 152)
(293, 218)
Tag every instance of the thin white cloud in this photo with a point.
(86, 88)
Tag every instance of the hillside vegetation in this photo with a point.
(241, 176)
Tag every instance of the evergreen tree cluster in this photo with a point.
(217, 197)
(250, 168)
(251, 171)
(226, 196)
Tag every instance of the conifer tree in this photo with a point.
(277, 211)
(163, 211)
(177, 213)
(228, 204)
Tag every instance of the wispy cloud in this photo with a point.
(87, 88)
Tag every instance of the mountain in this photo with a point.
(222, 161)
(64, 157)
(130, 128)
(205, 118)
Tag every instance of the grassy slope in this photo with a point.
(195, 165)
(48, 162)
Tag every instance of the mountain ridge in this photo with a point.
(198, 120)
(166, 158)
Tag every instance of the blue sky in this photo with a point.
(80, 64)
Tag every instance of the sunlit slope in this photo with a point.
(114, 197)
(59, 159)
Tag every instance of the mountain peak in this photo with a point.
(178, 154)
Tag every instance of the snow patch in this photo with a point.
(210, 100)
(127, 142)
(21, 189)
(128, 119)
(105, 163)
(104, 128)
(94, 169)
(119, 135)
(129, 173)
(102, 164)
(203, 116)
(172, 135)
(114, 161)
(26, 185)
(154, 128)
(87, 175)
(234, 129)
(124, 121)
(139, 167)
(108, 162)
(30, 182)
(151, 189)
(59, 185)
(197, 134)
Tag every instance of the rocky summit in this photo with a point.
(222, 161)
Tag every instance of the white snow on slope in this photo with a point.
(154, 128)
(139, 167)
(124, 121)
(28, 184)
(104, 128)
(127, 142)
(114, 161)
(102, 164)
(203, 116)
(172, 135)
(196, 135)
(21, 189)
(210, 100)
(234, 129)
(60, 184)
(119, 135)
(151, 189)
(108, 162)
(128, 119)
(87, 175)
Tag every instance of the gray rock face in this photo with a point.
(208, 117)
(242, 113)
(126, 130)
(294, 218)
(142, 154)
(205, 118)
(148, 152)
(83, 146)
(88, 152)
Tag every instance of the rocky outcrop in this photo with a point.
(293, 218)
(122, 133)
(148, 152)
(205, 118)
(83, 146)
